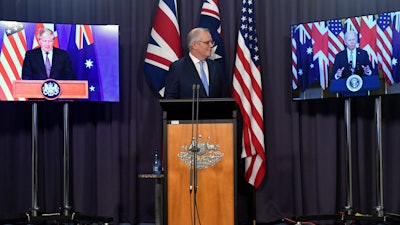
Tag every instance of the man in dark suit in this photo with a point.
(352, 60)
(47, 61)
(196, 69)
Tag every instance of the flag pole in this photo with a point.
(254, 205)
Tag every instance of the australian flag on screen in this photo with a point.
(210, 19)
(396, 47)
(305, 64)
(84, 59)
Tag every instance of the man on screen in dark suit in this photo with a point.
(352, 60)
(196, 69)
(47, 61)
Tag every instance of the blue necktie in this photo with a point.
(203, 76)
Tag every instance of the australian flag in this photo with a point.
(84, 59)
(396, 47)
(305, 64)
(210, 19)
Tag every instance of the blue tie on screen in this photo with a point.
(203, 77)
(48, 66)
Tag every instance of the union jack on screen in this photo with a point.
(247, 91)
(12, 57)
(164, 45)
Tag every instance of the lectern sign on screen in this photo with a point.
(93, 58)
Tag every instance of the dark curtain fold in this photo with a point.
(111, 143)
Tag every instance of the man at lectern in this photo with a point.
(352, 60)
(196, 70)
(47, 61)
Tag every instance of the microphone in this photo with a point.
(351, 67)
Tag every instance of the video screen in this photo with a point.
(348, 57)
(76, 62)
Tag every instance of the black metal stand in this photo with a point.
(67, 215)
(348, 217)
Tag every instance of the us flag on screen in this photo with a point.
(84, 59)
(295, 79)
(210, 19)
(247, 91)
(12, 56)
(164, 45)
(336, 39)
(384, 44)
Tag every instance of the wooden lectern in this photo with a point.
(70, 89)
(213, 199)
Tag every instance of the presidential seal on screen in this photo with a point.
(51, 89)
(354, 83)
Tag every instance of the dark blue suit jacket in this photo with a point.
(183, 74)
(34, 69)
(341, 60)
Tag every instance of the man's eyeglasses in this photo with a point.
(212, 43)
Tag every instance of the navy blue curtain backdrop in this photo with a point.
(111, 143)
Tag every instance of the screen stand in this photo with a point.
(67, 215)
(379, 167)
(348, 217)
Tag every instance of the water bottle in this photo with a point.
(156, 163)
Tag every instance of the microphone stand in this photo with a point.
(194, 149)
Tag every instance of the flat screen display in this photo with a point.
(93, 56)
(346, 57)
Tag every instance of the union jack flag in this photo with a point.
(12, 57)
(368, 37)
(210, 19)
(164, 45)
(384, 44)
(247, 91)
(50, 26)
(319, 35)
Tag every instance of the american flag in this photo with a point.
(336, 39)
(368, 37)
(12, 56)
(319, 35)
(295, 79)
(164, 45)
(210, 19)
(247, 91)
(384, 44)
(396, 47)
(352, 23)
